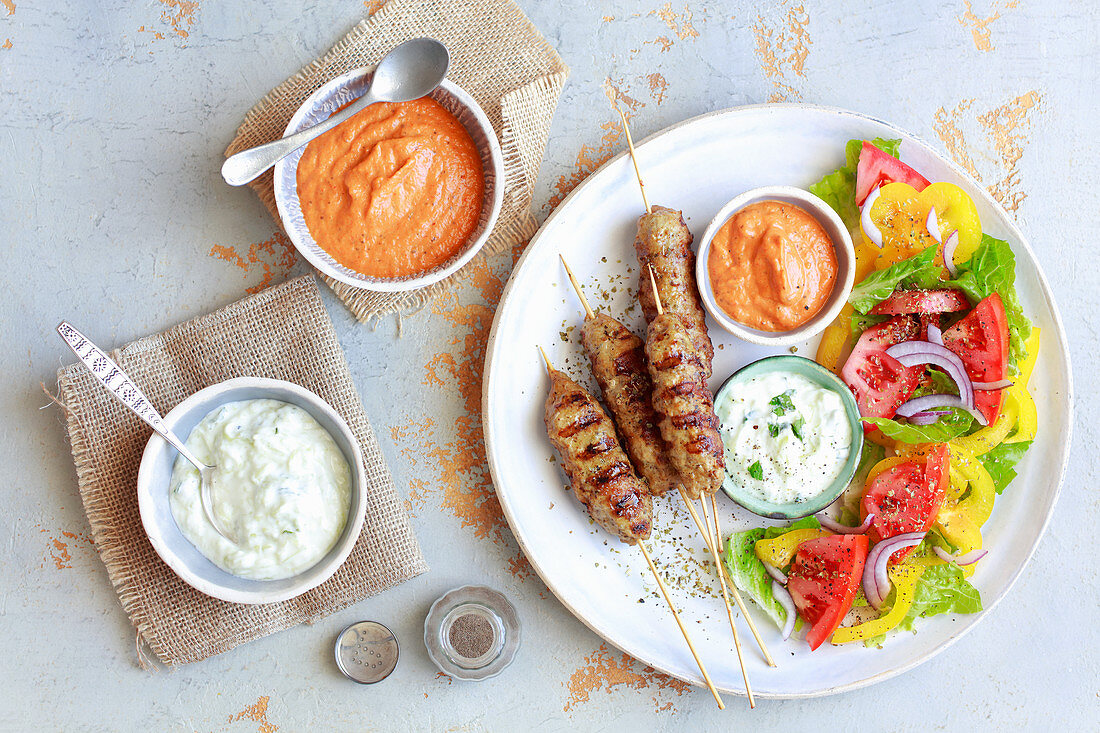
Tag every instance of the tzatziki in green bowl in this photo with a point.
(792, 436)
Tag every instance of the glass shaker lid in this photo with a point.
(366, 652)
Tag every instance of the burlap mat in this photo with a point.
(497, 56)
(282, 333)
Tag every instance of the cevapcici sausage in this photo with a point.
(685, 406)
(594, 461)
(619, 363)
(664, 242)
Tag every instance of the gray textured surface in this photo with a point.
(110, 140)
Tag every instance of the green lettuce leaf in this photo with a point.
(951, 425)
(941, 589)
(1001, 462)
(992, 269)
(748, 572)
(838, 189)
(921, 270)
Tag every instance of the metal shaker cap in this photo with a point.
(366, 652)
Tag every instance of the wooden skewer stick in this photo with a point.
(726, 601)
(633, 157)
(668, 600)
(737, 596)
(671, 607)
(705, 531)
(706, 537)
(577, 286)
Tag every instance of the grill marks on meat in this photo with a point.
(685, 406)
(664, 241)
(618, 360)
(598, 469)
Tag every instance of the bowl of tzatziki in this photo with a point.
(792, 436)
(288, 488)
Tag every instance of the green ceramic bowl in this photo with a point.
(818, 375)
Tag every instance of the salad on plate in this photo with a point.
(937, 351)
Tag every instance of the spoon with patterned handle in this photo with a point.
(121, 386)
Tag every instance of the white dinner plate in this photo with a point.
(697, 166)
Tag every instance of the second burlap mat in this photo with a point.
(281, 333)
(497, 56)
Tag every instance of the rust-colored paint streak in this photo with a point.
(1005, 128)
(664, 42)
(589, 159)
(603, 670)
(782, 49)
(257, 713)
(608, 18)
(947, 127)
(9, 5)
(657, 87)
(177, 15)
(7, 44)
(680, 24)
(979, 27)
(57, 549)
(275, 257)
(373, 6)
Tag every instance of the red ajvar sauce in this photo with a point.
(394, 191)
(771, 266)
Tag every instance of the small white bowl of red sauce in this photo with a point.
(775, 266)
(396, 198)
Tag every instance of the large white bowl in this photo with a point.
(332, 96)
(155, 472)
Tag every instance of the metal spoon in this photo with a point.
(410, 71)
(121, 386)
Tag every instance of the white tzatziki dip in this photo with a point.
(786, 438)
(282, 488)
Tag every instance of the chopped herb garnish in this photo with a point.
(796, 426)
(782, 404)
(757, 471)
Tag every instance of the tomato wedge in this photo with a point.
(981, 340)
(943, 300)
(880, 382)
(823, 580)
(876, 168)
(907, 497)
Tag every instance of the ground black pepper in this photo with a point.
(471, 635)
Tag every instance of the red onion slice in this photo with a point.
(914, 353)
(873, 233)
(777, 575)
(949, 253)
(834, 526)
(876, 583)
(999, 384)
(784, 597)
(925, 417)
(935, 334)
(927, 403)
(962, 560)
(932, 224)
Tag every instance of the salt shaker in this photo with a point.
(472, 633)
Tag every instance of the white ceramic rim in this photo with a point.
(303, 241)
(845, 250)
(620, 640)
(158, 445)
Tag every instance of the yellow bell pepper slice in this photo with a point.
(1027, 422)
(905, 578)
(991, 436)
(779, 551)
(900, 213)
(883, 465)
(1028, 365)
(833, 340)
